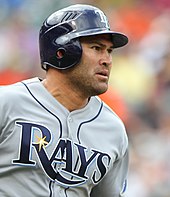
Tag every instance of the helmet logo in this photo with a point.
(103, 18)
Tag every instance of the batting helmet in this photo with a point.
(59, 35)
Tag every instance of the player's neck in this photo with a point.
(69, 98)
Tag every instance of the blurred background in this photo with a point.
(139, 90)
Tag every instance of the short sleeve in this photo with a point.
(1, 110)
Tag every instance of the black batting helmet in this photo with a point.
(60, 33)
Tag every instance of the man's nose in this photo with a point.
(106, 59)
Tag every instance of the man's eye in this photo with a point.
(110, 51)
(97, 48)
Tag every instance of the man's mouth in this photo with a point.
(103, 73)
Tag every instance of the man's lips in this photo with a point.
(103, 73)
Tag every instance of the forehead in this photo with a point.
(97, 38)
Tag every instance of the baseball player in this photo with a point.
(57, 138)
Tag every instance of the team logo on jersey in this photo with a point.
(60, 165)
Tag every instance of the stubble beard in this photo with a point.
(79, 82)
(87, 87)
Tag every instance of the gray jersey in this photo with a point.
(47, 151)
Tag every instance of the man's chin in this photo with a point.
(101, 91)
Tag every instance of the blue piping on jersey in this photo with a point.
(51, 182)
(44, 108)
(50, 187)
(78, 132)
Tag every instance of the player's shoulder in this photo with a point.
(113, 123)
(110, 117)
(14, 91)
(107, 111)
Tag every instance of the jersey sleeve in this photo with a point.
(114, 184)
(1, 110)
(6, 101)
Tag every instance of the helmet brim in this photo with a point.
(118, 39)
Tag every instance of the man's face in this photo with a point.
(91, 75)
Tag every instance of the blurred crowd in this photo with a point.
(139, 90)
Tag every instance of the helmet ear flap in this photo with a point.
(63, 57)
(69, 55)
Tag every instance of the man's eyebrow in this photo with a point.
(97, 42)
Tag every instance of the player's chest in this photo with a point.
(63, 148)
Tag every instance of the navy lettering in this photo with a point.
(64, 152)
(26, 141)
